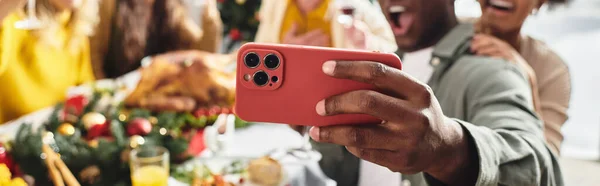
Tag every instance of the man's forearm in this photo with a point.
(460, 165)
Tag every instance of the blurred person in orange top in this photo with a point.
(500, 36)
(130, 30)
(37, 66)
(318, 23)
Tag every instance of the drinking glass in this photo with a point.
(149, 166)
(306, 152)
(31, 22)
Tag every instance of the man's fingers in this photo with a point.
(492, 52)
(381, 76)
(363, 136)
(372, 103)
(481, 41)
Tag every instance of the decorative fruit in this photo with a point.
(235, 34)
(225, 111)
(92, 119)
(216, 110)
(153, 120)
(18, 182)
(75, 105)
(93, 143)
(66, 129)
(6, 159)
(201, 112)
(211, 119)
(5, 175)
(136, 141)
(139, 126)
(97, 131)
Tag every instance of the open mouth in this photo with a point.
(501, 5)
(400, 20)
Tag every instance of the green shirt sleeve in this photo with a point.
(506, 132)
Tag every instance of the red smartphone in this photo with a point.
(283, 83)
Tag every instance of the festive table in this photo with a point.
(252, 142)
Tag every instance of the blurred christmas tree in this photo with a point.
(240, 21)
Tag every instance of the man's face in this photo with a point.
(415, 22)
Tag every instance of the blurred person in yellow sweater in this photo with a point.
(38, 66)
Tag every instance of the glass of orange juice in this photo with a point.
(149, 166)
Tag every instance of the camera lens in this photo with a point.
(252, 60)
(272, 61)
(260, 78)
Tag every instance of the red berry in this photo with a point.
(235, 34)
(74, 105)
(225, 111)
(139, 126)
(96, 131)
(6, 159)
(216, 110)
(201, 112)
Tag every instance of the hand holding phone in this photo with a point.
(283, 83)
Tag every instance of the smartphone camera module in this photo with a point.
(251, 60)
(272, 61)
(260, 78)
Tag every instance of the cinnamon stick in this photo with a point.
(66, 173)
(58, 169)
(54, 173)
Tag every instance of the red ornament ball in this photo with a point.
(235, 34)
(92, 119)
(75, 105)
(201, 112)
(97, 131)
(225, 110)
(139, 126)
(6, 159)
(214, 111)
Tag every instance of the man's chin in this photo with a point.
(406, 44)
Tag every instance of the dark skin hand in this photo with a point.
(415, 135)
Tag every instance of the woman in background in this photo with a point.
(133, 29)
(500, 36)
(314, 22)
(38, 66)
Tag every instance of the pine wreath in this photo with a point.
(89, 151)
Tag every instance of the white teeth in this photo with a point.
(501, 4)
(397, 9)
